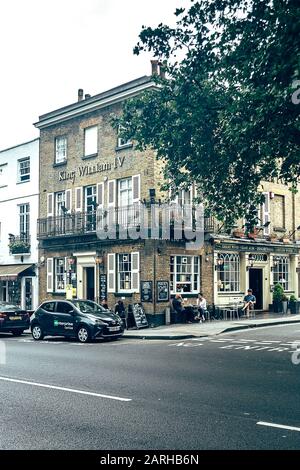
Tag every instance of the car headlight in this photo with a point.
(99, 322)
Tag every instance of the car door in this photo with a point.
(46, 314)
(64, 320)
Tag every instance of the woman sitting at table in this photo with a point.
(178, 307)
(202, 307)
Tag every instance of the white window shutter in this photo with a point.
(135, 272)
(68, 202)
(50, 274)
(111, 196)
(111, 272)
(136, 189)
(100, 195)
(266, 213)
(78, 199)
(100, 202)
(50, 204)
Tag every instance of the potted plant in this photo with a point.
(252, 234)
(272, 237)
(293, 304)
(238, 233)
(277, 298)
(285, 301)
(285, 238)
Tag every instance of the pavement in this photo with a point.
(210, 328)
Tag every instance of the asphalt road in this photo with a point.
(135, 394)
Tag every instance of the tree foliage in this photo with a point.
(223, 116)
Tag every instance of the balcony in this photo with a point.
(138, 216)
(19, 245)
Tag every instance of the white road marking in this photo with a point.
(64, 389)
(280, 426)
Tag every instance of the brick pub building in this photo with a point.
(85, 166)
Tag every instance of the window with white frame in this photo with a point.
(91, 141)
(24, 170)
(61, 149)
(228, 272)
(184, 274)
(60, 202)
(128, 272)
(121, 141)
(60, 274)
(125, 192)
(3, 179)
(24, 221)
(281, 271)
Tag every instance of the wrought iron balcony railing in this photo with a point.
(140, 216)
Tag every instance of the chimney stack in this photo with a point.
(162, 69)
(80, 94)
(154, 65)
(87, 96)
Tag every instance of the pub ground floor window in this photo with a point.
(184, 274)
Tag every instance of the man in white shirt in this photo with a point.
(202, 307)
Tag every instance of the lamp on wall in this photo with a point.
(219, 263)
(275, 262)
(251, 259)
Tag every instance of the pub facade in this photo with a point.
(89, 175)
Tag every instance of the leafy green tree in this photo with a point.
(223, 115)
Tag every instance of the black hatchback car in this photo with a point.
(13, 319)
(82, 319)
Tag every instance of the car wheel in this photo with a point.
(83, 334)
(17, 332)
(37, 333)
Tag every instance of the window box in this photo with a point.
(18, 247)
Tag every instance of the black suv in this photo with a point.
(82, 319)
(13, 319)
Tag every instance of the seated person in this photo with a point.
(202, 308)
(177, 306)
(104, 304)
(249, 302)
(121, 311)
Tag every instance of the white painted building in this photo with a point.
(19, 205)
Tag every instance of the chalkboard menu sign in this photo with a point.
(103, 286)
(139, 316)
(162, 291)
(146, 291)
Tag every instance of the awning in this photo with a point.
(12, 271)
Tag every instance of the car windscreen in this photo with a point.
(7, 307)
(87, 306)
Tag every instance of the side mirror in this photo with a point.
(71, 312)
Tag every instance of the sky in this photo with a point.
(50, 48)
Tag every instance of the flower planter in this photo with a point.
(19, 249)
(277, 307)
(284, 306)
(238, 233)
(293, 307)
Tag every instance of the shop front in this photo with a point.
(239, 266)
(18, 285)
